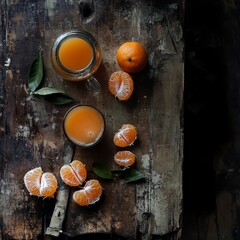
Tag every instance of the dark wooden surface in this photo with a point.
(211, 164)
(31, 128)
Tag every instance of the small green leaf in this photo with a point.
(118, 172)
(59, 99)
(54, 95)
(101, 171)
(48, 91)
(36, 73)
(132, 175)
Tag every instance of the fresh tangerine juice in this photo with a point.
(75, 53)
(84, 125)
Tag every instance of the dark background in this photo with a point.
(211, 183)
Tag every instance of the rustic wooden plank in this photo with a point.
(143, 114)
(32, 128)
(21, 214)
(161, 197)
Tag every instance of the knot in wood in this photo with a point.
(86, 9)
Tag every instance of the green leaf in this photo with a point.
(36, 73)
(101, 171)
(118, 172)
(48, 91)
(132, 175)
(59, 99)
(54, 95)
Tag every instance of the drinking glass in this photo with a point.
(76, 56)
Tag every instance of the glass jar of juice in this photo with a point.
(76, 55)
(84, 125)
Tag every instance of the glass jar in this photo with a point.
(68, 63)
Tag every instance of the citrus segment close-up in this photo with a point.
(124, 158)
(73, 174)
(132, 57)
(48, 185)
(125, 136)
(90, 193)
(121, 85)
(40, 184)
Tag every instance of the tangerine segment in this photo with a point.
(124, 158)
(132, 57)
(40, 184)
(90, 194)
(125, 136)
(121, 85)
(48, 185)
(32, 181)
(74, 174)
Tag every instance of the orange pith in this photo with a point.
(125, 136)
(121, 85)
(48, 185)
(132, 57)
(124, 158)
(39, 183)
(74, 174)
(90, 193)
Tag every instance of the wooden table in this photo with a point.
(31, 127)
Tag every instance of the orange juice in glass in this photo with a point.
(76, 56)
(84, 125)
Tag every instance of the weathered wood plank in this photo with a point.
(21, 214)
(160, 198)
(169, 151)
(31, 128)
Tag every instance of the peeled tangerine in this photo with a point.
(121, 85)
(124, 158)
(73, 174)
(90, 193)
(125, 136)
(40, 184)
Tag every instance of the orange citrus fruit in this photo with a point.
(90, 193)
(74, 174)
(124, 158)
(40, 184)
(121, 85)
(125, 136)
(132, 57)
(48, 184)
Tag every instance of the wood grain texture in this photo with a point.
(31, 128)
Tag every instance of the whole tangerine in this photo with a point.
(132, 57)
